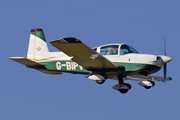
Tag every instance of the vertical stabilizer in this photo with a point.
(38, 48)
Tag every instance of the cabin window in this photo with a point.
(127, 49)
(109, 50)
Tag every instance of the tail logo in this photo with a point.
(38, 48)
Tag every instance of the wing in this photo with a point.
(83, 55)
(149, 77)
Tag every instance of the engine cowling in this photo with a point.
(146, 83)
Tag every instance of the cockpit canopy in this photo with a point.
(115, 49)
(125, 49)
(109, 50)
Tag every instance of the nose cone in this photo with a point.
(166, 59)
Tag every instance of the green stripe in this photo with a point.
(139, 67)
(39, 34)
(71, 66)
(64, 66)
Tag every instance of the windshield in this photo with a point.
(125, 49)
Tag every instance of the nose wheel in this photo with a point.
(123, 87)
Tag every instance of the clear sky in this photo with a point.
(27, 94)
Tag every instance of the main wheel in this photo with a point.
(100, 81)
(147, 87)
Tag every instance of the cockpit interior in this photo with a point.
(115, 49)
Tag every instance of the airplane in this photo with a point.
(111, 61)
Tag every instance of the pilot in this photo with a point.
(110, 51)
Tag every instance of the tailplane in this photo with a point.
(38, 48)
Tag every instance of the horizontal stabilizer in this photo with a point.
(25, 61)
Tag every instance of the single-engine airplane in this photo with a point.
(112, 61)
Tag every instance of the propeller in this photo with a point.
(165, 65)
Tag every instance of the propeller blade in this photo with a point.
(165, 69)
(165, 65)
(164, 46)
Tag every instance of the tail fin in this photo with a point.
(38, 48)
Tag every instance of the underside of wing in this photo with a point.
(149, 77)
(83, 55)
(25, 61)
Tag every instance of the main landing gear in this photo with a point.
(100, 81)
(122, 87)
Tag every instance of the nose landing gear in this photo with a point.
(122, 87)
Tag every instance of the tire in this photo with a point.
(147, 87)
